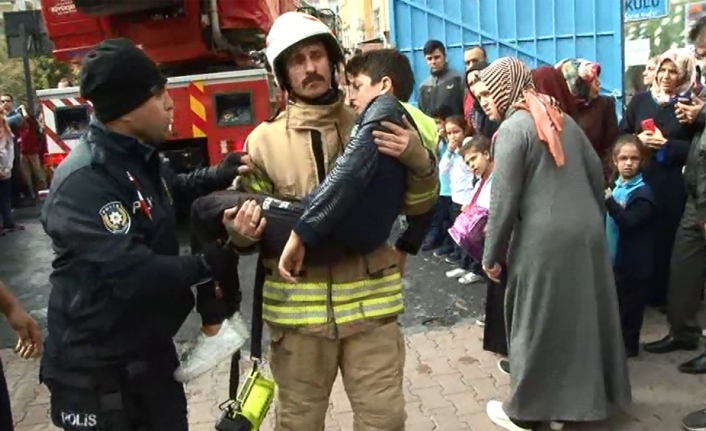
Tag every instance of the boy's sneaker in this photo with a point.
(455, 273)
(454, 259)
(504, 366)
(208, 352)
(695, 421)
(429, 245)
(471, 278)
(481, 321)
(444, 251)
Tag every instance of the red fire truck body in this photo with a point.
(213, 115)
(220, 93)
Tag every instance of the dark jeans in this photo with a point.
(203, 231)
(6, 203)
(632, 298)
(20, 188)
(440, 223)
(6, 423)
(467, 262)
(686, 280)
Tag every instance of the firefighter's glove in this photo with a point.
(220, 260)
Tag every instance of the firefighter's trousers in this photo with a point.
(371, 363)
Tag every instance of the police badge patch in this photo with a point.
(115, 217)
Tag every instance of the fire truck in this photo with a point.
(210, 50)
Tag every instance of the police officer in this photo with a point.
(120, 290)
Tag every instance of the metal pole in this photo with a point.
(26, 40)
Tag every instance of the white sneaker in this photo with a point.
(455, 273)
(239, 325)
(208, 352)
(470, 278)
(495, 413)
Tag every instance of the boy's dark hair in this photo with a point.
(478, 143)
(441, 112)
(697, 30)
(432, 45)
(379, 63)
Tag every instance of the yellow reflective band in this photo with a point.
(389, 284)
(300, 292)
(418, 198)
(309, 292)
(295, 316)
(370, 308)
(346, 313)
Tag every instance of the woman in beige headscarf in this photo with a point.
(567, 363)
(652, 117)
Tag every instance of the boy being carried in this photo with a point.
(352, 211)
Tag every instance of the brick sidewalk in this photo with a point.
(449, 378)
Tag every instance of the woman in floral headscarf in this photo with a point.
(651, 116)
(595, 114)
(543, 191)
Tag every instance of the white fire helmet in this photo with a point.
(293, 27)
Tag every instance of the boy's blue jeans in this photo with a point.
(440, 224)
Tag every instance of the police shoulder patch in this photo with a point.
(116, 218)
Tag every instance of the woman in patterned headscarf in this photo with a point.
(652, 117)
(548, 195)
(595, 114)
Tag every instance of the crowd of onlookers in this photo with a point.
(647, 174)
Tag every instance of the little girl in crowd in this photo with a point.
(438, 239)
(462, 184)
(631, 208)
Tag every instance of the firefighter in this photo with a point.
(120, 290)
(341, 315)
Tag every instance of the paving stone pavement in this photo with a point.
(448, 380)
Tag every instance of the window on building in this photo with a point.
(376, 21)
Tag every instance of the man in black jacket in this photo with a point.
(444, 87)
(120, 290)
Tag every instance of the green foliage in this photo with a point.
(45, 72)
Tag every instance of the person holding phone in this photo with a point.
(652, 117)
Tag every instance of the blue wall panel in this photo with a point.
(539, 32)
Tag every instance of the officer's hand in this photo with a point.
(29, 343)
(246, 221)
(234, 164)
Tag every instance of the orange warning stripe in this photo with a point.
(198, 109)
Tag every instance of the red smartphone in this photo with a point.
(648, 125)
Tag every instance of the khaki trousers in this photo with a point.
(371, 363)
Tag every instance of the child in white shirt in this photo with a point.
(462, 188)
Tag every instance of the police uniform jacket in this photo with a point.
(119, 286)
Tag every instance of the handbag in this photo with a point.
(468, 230)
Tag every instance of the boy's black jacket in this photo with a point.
(365, 189)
